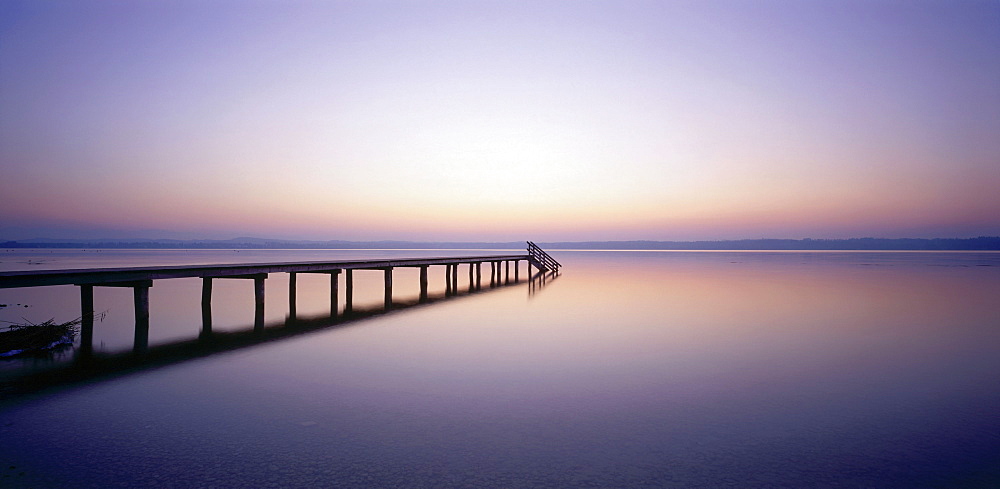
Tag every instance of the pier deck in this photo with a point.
(104, 276)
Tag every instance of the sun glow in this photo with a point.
(473, 122)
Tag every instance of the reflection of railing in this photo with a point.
(540, 280)
(541, 259)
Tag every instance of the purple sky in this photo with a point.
(480, 120)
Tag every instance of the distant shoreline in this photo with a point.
(982, 243)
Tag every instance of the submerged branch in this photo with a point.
(32, 338)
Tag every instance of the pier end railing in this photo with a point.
(542, 260)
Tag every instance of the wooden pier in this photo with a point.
(140, 279)
(87, 365)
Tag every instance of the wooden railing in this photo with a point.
(541, 259)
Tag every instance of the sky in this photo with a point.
(499, 120)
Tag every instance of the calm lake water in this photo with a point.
(629, 370)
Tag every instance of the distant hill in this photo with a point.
(982, 243)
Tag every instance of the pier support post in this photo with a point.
(454, 278)
(335, 289)
(493, 273)
(206, 307)
(506, 265)
(334, 292)
(140, 299)
(86, 319)
(258, 296)
(258, 299)
(472, 283)
(479, 275)
(140, 294)
(447, 280)
(517, 269)
(349, 293)
(291, 295)
(388, 287)
(423, 283)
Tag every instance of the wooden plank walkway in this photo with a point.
(103, 276)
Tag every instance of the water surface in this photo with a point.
(631, 369)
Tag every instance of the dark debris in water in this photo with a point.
(30, 338)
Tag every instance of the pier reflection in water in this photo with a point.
(88, 364)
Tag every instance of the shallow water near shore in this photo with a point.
(630, 369)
